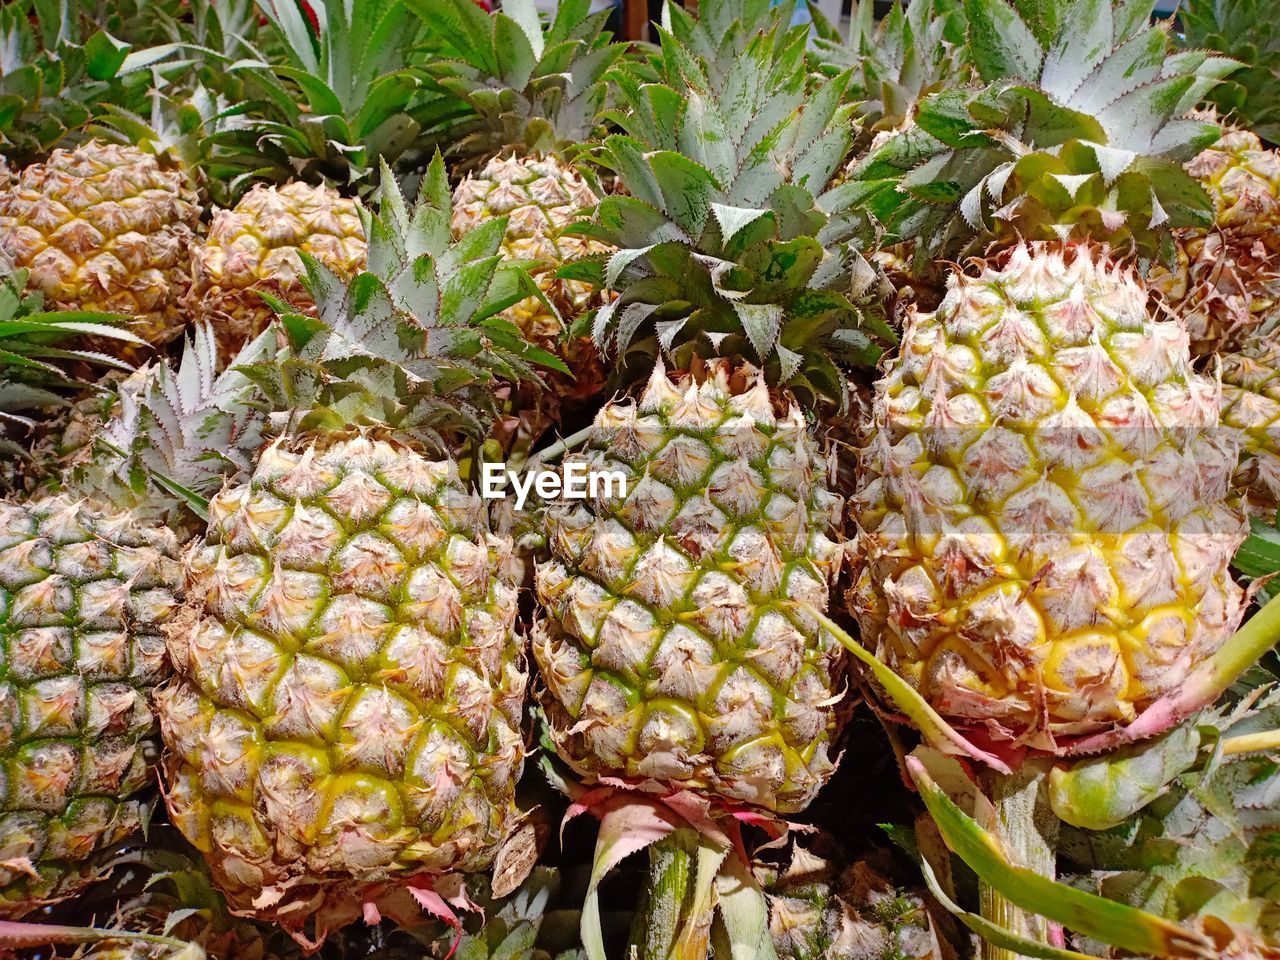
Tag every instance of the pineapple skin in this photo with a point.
(84, 596)
(1251, 404)
(105, 228)
(346, 712)
(540, 196)
(1046, 517)
(819, 910)
(673, 646)
(1227, 280)
(254, 247)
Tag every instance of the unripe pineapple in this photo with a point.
(1045, 513)
(89, 576)
(350, 687)
(255, 246)
(105, 228)
(344, 726)
(677, 648)
(83, 597)
(1251, 404)
(1227, 280)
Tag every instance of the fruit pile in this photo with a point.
(921, 379)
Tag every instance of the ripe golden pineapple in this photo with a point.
(1251, 404)
(1226, 283)
(1045, 513)
(105, 228)
(83, 595)
(539, 196)
(254, 248)
(675, 647)
(344, 727)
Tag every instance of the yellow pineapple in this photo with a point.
(105, 228)
(254, 248)
(1226, 283)
(1047, 529)
(519, 142)
(539, 196)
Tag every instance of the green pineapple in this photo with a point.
(89, 577)
(344, 730)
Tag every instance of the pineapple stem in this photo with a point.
(558, 448)
(657, 925)
(675, 921)
(1029, 829)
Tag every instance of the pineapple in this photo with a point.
(105, 228)
(658, 599)
(1045, 509)
(89, 577)
(85, 594)
(1226, 283)
(344, 728)
(676, 634)
(1251, 404)
(536, 93)
(675, 645)
(254, 248)
(821, 911)
(1047, 528)
(1002, 574)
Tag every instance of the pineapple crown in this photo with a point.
(1248, 31)
(529, 84)
(334, 94)
(917, 49)
(721, 32)
(54, 72)
(32, 348)
(175, 436)
(729, 242)
(415, 343)
(1078, 133)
